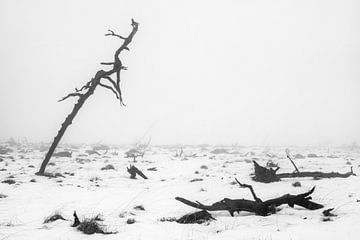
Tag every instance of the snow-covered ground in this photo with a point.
(91, 191)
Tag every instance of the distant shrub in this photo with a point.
(139, 207)
(108, 167)
(3, 195)
(196, 180)
(9, 181)
(53, 175)
(94, 179)
(130, 221)
(63, 154)
(312, 155)
(168, 219)
(296, 184)
(299, 156)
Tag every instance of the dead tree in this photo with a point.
(103, 79)
(257, 206)
(268, 175)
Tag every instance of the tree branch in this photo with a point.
(117, 87)
(107, 63)
(110, 80)
(110, 88)
(128, 40)
(288, 156)
(251, 189)
(111, 33)
(117, 64)
(70, 95)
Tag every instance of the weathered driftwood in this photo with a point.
(134, 170)
(257, 206)
(268, 175)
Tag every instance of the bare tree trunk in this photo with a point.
(88, 89)
(64, 126)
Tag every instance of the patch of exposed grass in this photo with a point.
(54, 217)
(296, 184)
(139, 207)
(91, 226)
(130, 221)
(9, 181)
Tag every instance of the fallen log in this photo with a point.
(257, 206)
(268, 175)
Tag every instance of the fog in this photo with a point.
(218, 72)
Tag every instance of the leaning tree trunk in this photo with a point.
(88, 89)
(64, 126)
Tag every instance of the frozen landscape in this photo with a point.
(180, 120)
(204, 173)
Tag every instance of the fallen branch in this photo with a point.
(268, 175)
(257, 206)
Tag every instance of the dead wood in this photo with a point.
(328, 213)
(134, 170)
(257, 206)
(288, 156)
(88, 89)
(76, 220)
(268, 175)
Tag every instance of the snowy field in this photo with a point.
(84, 187)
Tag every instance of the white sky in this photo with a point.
(219, 72)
